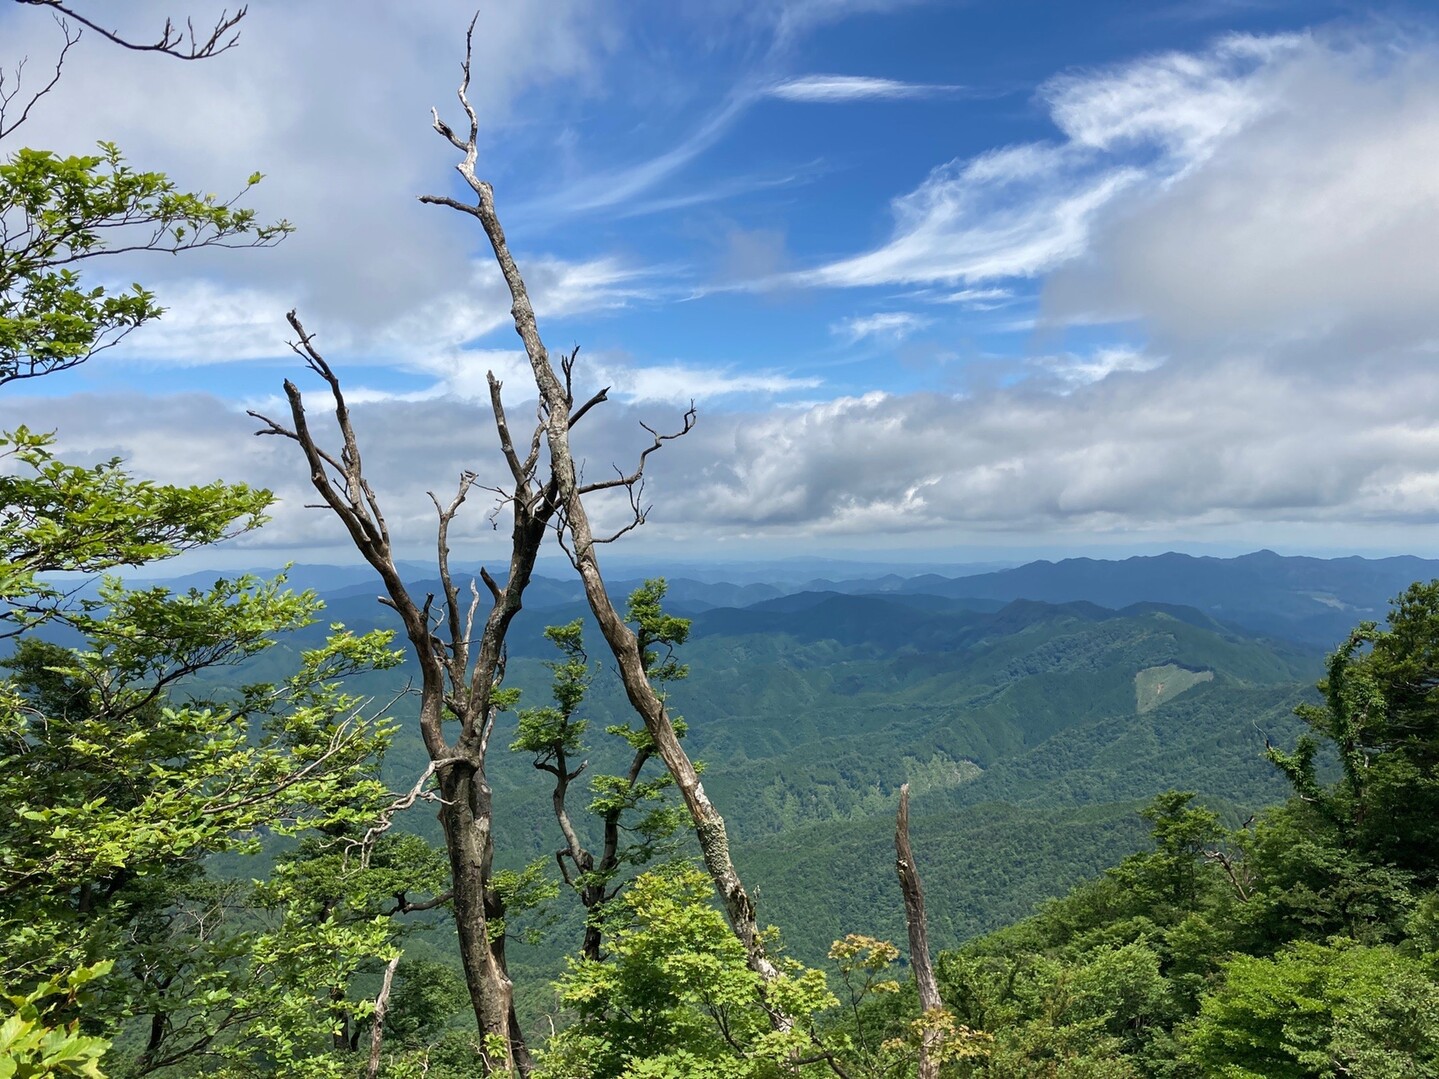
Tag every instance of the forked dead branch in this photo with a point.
(180, 42)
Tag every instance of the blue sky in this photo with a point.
(965, 279)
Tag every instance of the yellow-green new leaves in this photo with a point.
(34, 1046)
(59, 518)
(118, 792)
(675, 997)
(115, 771)
(59, 211)
(673, 966)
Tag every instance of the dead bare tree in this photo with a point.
(918, 925)
(461, 666)
(573, 523)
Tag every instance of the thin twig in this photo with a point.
(222, 37)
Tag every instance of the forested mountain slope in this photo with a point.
(1018, 725)
(1031, 733)
(1019, 728)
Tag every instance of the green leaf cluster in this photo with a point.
(674, 996)
(34, 1045)
(62, 210)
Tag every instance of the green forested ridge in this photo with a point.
(1026, 780)
(1299, 943)
(1019, 728)
(799, 730)
(806, 738)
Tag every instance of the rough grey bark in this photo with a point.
(460, 672)
(918, 925)
(558, 415)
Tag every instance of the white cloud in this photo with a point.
(1024, 210)
(1171, 448)
(1178, 449)
(1318, 219)
(1000, 215)
(1184, 102)
(834, 89)
(557, 289)
(980, 299)
(207, 322)
(884, 326)
(1074, 371)
(333, 107)
(681, 383)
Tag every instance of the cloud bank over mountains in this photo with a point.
(1201, 305)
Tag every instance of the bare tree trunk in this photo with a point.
(557, 407)
(469, 840)
(918, 925)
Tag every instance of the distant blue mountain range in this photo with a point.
(1315, 601)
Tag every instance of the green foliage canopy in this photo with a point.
(60, 211)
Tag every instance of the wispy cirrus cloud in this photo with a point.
(1074, 371)
(978, 299)
(837, 89)
(889, 326)
(1025, 209)
(604, 190)
(679, 383)
(1015, 212)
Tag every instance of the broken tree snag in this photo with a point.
(918, 926)
(558, 413)
(377, 1031)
